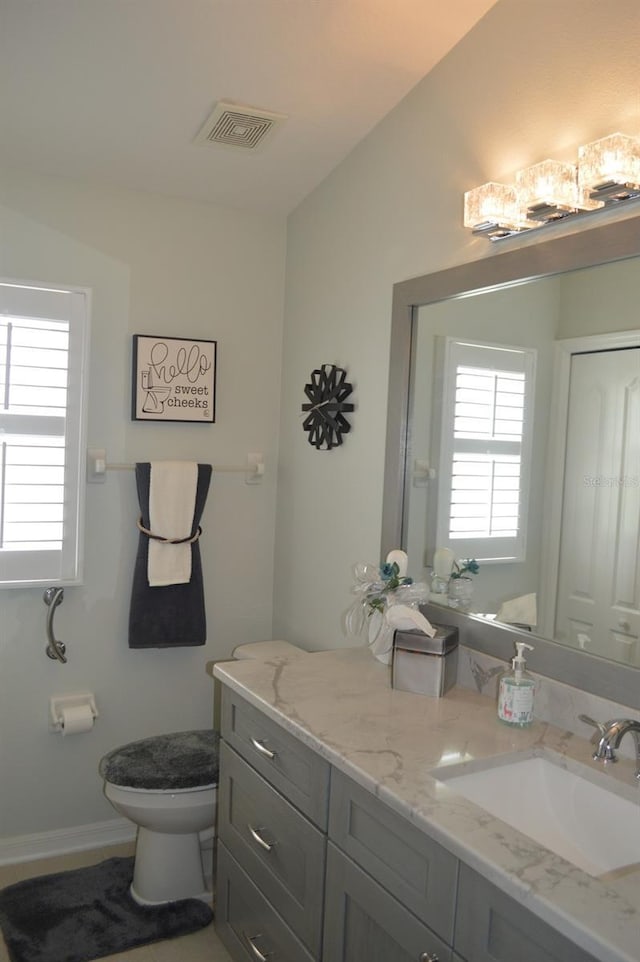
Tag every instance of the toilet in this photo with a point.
(167, 785)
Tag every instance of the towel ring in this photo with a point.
(157, 537)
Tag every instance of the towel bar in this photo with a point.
(97, 467)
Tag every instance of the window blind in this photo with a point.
(485, 448)
(42, 353)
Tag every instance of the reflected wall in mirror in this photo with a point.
(559, 297)
(575, 502)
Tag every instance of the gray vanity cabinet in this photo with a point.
(492, 927)
(280, 850)
(298, 773)
(416, 870)
(270, 870)
(246, 921)
(362, 921)
(312, 867)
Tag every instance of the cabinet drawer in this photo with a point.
(363, 922)
(295, 770)
(249, 927)
(281, 851)
(492, 927)
(418, 871)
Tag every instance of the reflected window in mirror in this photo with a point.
(522, 321)
(485, 449)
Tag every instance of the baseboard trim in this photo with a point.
(27, 848)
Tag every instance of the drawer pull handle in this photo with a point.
(250, 939)
(428, 957)
(259, 747)
(257, 837)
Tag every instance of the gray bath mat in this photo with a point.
(88, 913)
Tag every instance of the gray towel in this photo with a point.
(171, 616)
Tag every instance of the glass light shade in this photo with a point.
(614, 159)
(491, 204)
(551, 184)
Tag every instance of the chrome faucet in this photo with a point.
(611, 734)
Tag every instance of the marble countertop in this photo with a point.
(342, 705)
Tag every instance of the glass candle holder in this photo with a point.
(460, 593)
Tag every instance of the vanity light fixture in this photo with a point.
(608, 172)
(548, 191)
(609, 169)
(493, 210)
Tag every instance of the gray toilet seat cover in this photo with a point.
(164, 762)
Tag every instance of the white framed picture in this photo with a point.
(173, 379)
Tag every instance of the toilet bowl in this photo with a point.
(167, 786)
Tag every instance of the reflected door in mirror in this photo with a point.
(598, 604)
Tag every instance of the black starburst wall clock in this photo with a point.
(327, 391)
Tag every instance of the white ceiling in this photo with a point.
(114, 91)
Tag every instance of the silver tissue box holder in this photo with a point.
(426, 666)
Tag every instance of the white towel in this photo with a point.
(382, 628)
(443, 559)
(404, 618)
(519, 611)
(172, 497)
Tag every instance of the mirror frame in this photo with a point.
(591, 247)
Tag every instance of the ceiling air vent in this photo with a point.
(236, 125)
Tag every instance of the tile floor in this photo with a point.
(202, 946)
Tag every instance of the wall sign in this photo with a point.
(174, 379)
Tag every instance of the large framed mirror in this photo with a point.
(568, 301)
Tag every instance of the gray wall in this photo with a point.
(601, 301)
(155, 266)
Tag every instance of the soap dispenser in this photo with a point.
(516, 692)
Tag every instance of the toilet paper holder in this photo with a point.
(59, 703)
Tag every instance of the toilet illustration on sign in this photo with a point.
(155, 395)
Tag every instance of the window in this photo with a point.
(43, 348)
(485, 450)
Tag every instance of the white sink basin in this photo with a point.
(594, 828)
